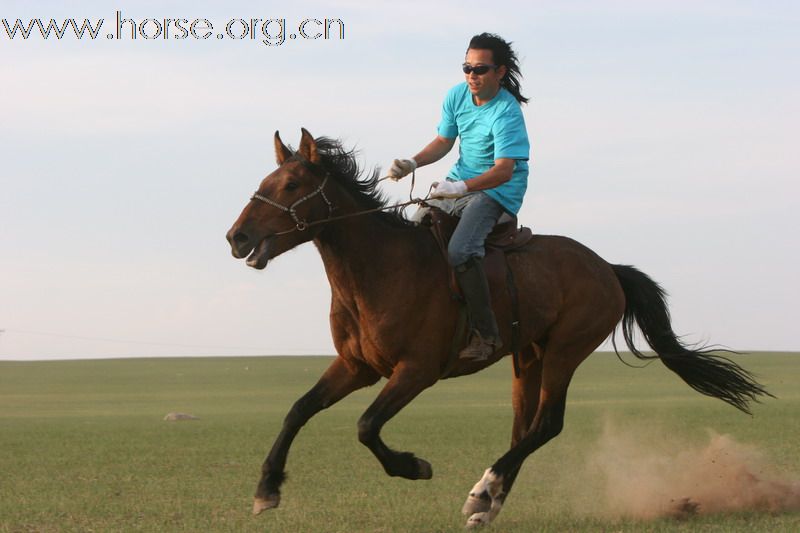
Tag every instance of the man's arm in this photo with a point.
(497, 175)
(500, 173)
(437, 149)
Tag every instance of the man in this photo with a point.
(490, 176)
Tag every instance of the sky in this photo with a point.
(664, 135)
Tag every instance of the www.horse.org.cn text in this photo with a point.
(269, 31)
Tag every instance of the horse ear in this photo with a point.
(281, 152)
(308, 147)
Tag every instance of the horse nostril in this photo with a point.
(240, 238)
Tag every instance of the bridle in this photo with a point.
(299, 224)
(302, 225)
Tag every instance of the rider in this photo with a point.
(490, 176)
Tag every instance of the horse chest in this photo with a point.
(362, 337)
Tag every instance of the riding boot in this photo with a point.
(485, 338)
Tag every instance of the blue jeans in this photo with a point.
(478, 213)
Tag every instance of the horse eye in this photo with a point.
(292, 185)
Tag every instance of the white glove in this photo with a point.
(449, 189)
(402, 168)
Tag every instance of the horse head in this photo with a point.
(279, 213)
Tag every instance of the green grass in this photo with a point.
(83, 447)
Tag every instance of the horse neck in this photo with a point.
(361, 252)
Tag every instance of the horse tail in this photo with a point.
(702, 369)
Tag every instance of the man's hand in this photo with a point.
(448, 189)
(401, 168)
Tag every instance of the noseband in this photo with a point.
(300, 225)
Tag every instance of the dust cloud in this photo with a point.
(644, 476)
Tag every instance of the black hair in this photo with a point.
(502, 55)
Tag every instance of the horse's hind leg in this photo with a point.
(525, 400)
(336, 383)
(559, 362)
(403, 386)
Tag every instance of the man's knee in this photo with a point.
(469, 263)
(459, 256)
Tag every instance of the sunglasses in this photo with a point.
(480, 70)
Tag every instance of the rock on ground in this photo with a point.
(174, 417)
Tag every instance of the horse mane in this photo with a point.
(342, 166)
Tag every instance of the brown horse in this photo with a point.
(392, 316)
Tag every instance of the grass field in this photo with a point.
(83, 447)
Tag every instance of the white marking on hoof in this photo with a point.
(262, 504)
(478, 520)
(484, 495)
(485, 500)
(485, 518)
(476, 504)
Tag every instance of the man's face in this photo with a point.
(483, 86)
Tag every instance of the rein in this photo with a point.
(302, 225)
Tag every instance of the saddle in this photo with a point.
(505, 237)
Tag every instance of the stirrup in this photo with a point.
(479, 349)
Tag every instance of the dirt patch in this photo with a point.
(646, 476)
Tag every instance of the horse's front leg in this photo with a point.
(336, 383)
(403, 386)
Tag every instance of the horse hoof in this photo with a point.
(424, 469)
(477, 503)
(262, 504)
(478, 520)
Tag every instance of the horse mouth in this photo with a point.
(259, 258)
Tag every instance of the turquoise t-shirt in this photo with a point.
(495, 130)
